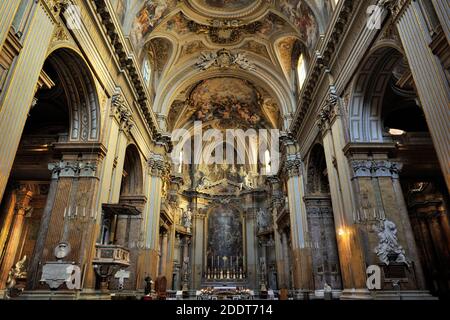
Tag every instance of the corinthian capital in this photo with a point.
(157, 165)
(122, 113)
(376, 168)
(330, 110)
(293, 165)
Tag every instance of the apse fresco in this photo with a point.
(225, 240)
(301, 16)
(228, 4)
(231, 100)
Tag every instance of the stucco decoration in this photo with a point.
(224, 59)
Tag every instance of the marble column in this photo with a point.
(33, 266)
(164, 252)
(73, 217)
(301, 251)
(251, 249)
(429, 76)
(285, 284)
(443, 12)
(8, 9)
(22, 206)
(277, 205)
(22, 84)
(198, 239)
(350, 246)
(157, 169)
(185, 264)
(380, 197)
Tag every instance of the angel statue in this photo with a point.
(16, 272)
(388, 249)
(261, 221)
(206, 60)
(242, 61)
(187, 219)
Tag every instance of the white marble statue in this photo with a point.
(261, 221)
(187, 219)
(388, 249)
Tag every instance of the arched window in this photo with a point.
(180, 166)
(267, 162)
(301, 71)
(146, 72)
(335, 3)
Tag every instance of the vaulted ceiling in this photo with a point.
(246, 44)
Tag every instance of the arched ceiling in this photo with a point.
(225, 102)
(259, 37)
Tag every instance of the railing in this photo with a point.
(111, 254)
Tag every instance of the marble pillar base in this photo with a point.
(303, 294)
(403, 295)
(356, 294)
(320, 294)
(64, 295)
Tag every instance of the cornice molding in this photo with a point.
(321, 61)
(127, 63)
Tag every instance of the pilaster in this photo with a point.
(379, 199)
(429, 77)
(22, 206)
(8, 9)
(301, 251)
(21, 87)
(157, 169)
(349, 242)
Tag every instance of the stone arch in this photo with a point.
(366, 102)
(132, 180)
(81, 94)
(325, 258)
(263, 77)
(317, 182)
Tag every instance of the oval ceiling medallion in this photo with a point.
(226, 8)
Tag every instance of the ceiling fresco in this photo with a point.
(227, 4)
(148, 18)
(259, 34)
(301, 16)
(226, 103)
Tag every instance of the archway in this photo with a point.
(385, 111)
(122, 223)
(65, 113)
(325, 258)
